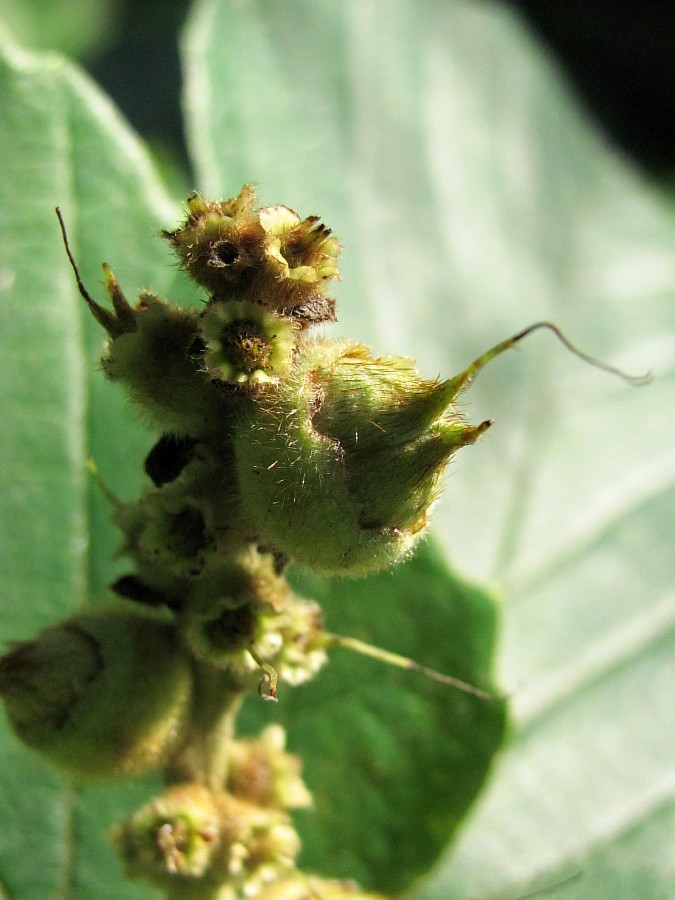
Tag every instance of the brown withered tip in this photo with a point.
(267, 256)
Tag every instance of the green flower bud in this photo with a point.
(339, 464)
(261, 772)
(224, 632)
(182, 535)
(160, 364)
(223, 622)
(174, 836)
(220, 243)
(102, 694)
(259, 621)
(269, 853)
(269, 256)
(245, 343)
(297, 632)
(190, 834)
(302, 256)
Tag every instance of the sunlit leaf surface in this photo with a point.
(474, 197)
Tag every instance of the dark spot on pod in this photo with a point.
(187, 533)
(132, 588)
(168, 458)
(224, 253)
(312, 311)
(280, 560)
(197, 348)
(233, 629)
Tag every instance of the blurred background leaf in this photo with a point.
(473, 197)
(73, 27)
(61, 141)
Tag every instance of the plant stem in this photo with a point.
(202, 756)
(404, 662)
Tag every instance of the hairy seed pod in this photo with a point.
(102, 694)
(339, 464)
(160, 365)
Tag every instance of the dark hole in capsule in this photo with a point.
(197, 348)
(187, 533)
(132, 588)
(233, 629)
(224, 253)
(279, 559)
(168, 458)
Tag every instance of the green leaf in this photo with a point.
(62, 143)
(393, 759)
(69, 26)
(473, 197)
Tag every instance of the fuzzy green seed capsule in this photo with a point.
(245, 343)
(160, 365)
(102, 694)
(397, 431)
(339, 464)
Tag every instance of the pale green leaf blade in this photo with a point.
(62, 143)
(474, 197)
(255, 72)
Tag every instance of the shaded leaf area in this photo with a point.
(393, 760)
(62, 143)
(473, 197)
(69, 26)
